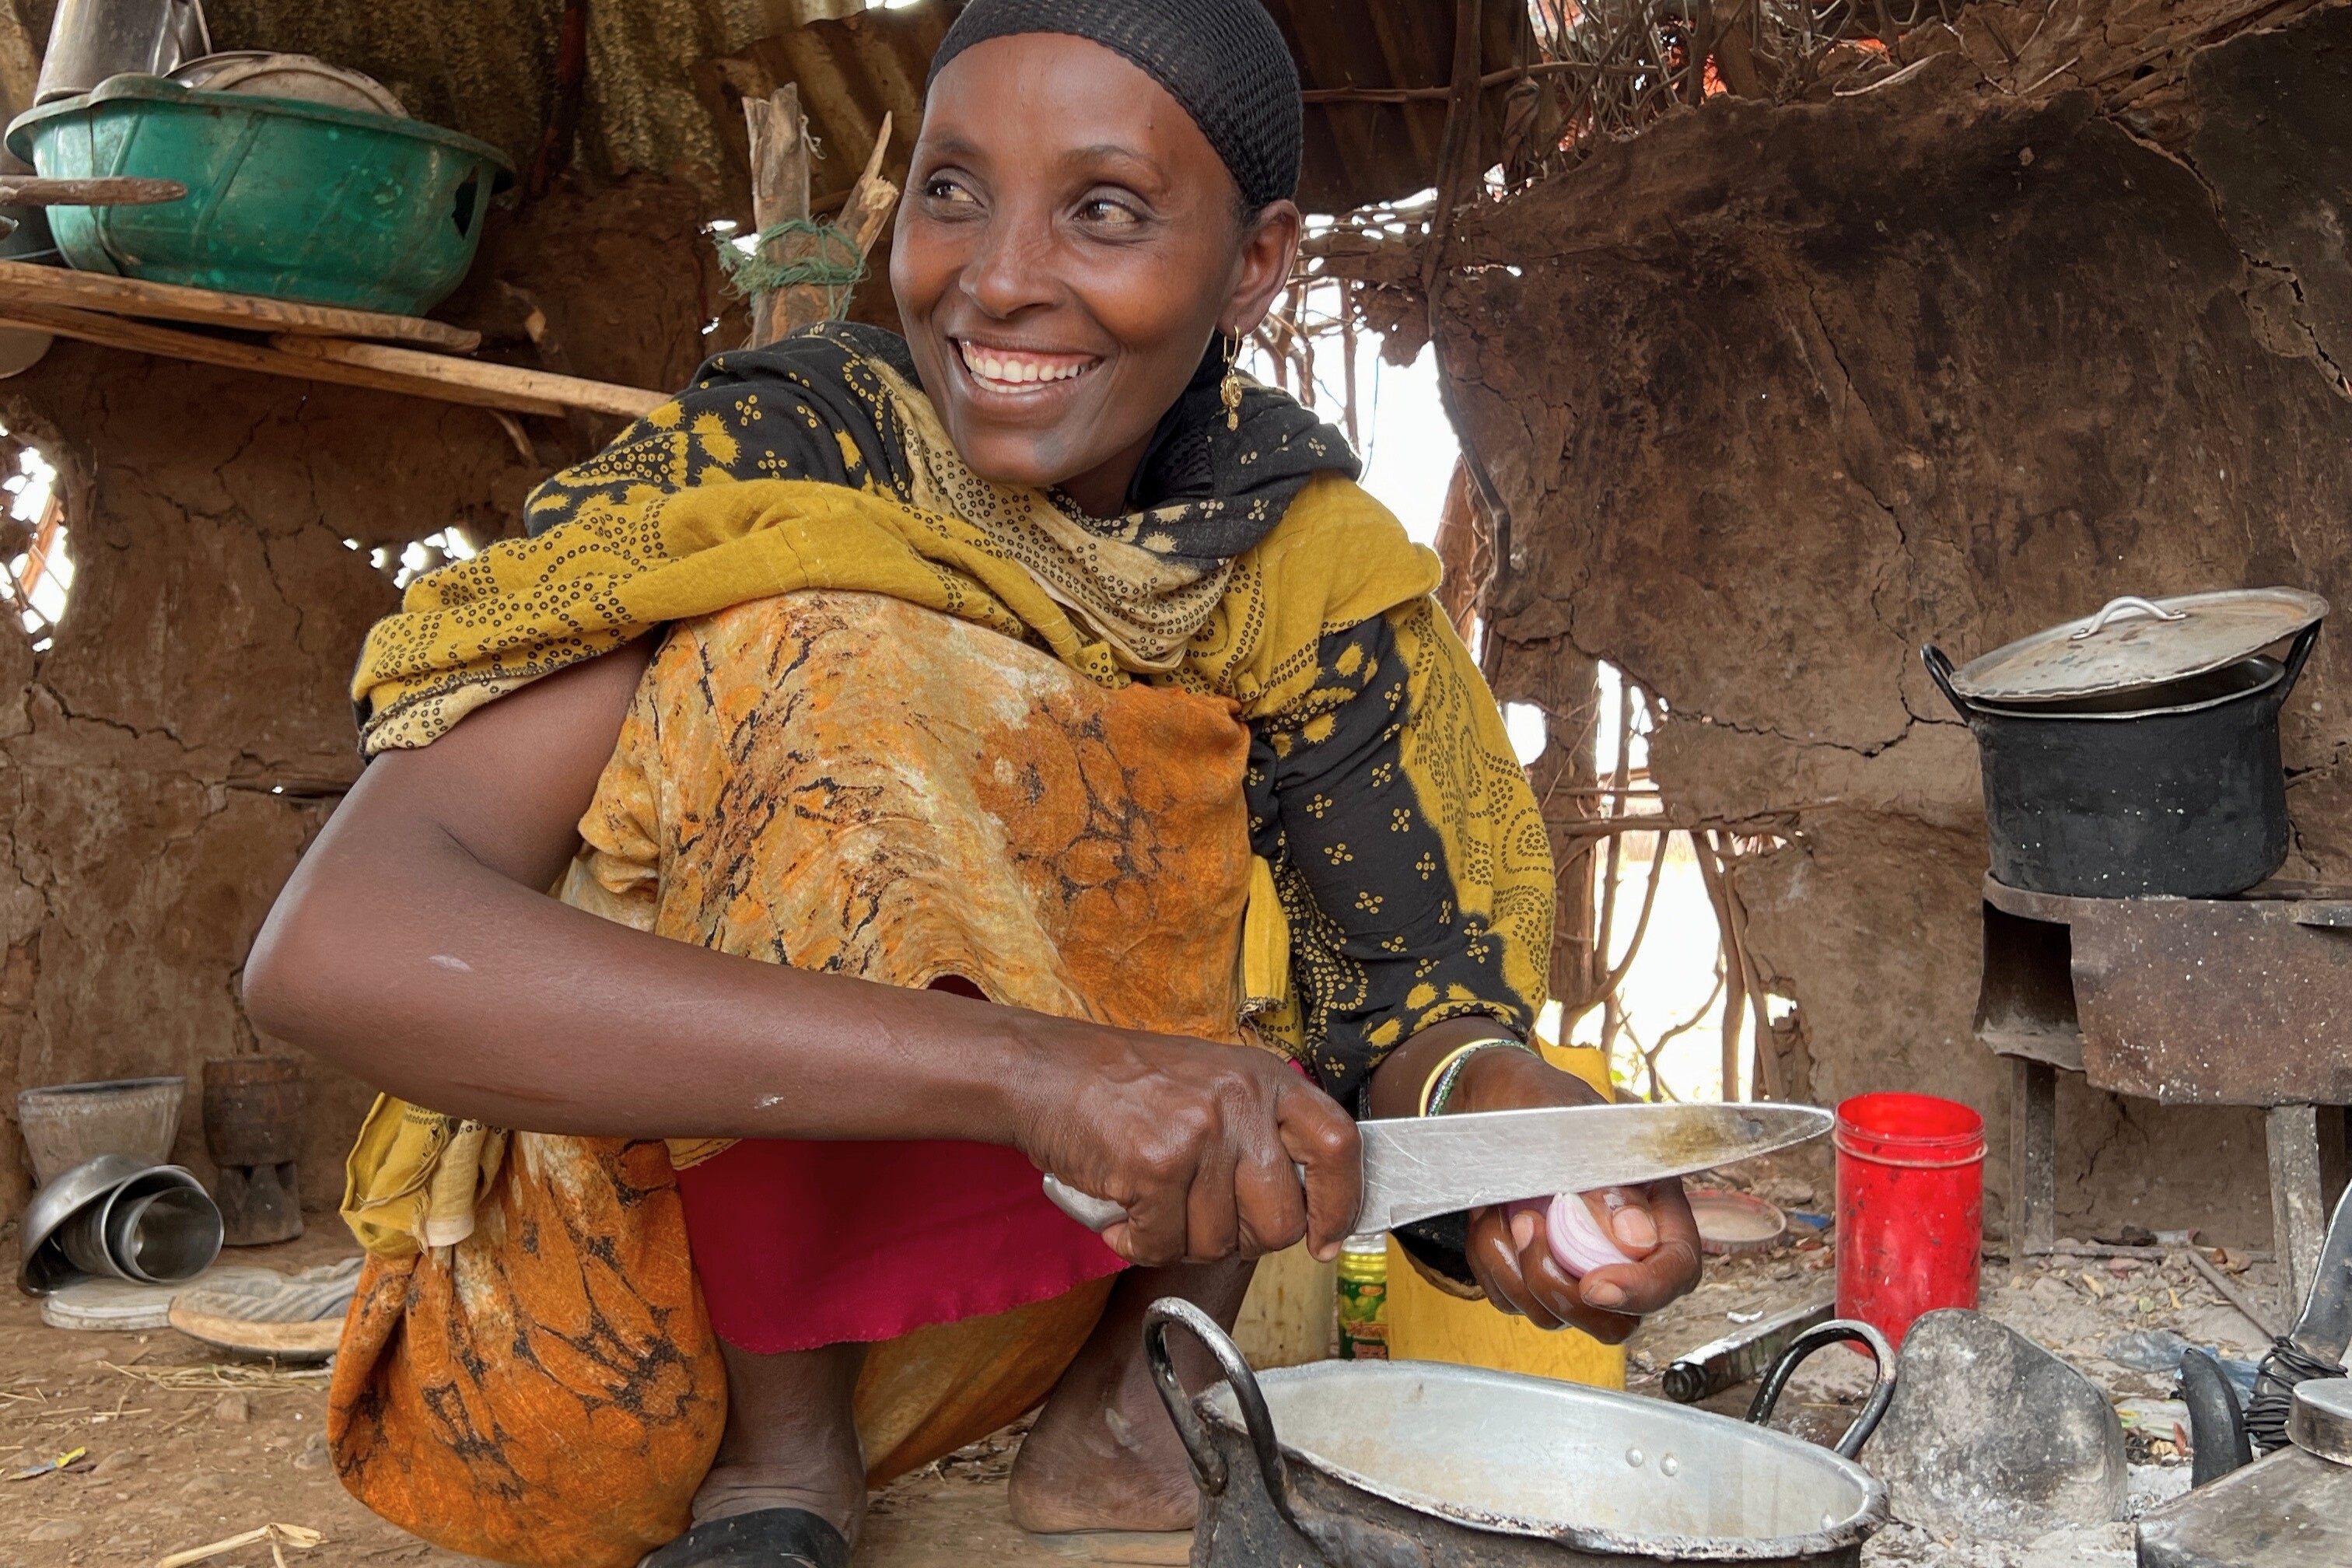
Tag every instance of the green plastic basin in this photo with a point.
(292, 200)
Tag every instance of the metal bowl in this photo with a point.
(118, 1216)
(42, 1268)
(264, 73)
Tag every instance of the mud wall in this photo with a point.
(163, 765)
(1776, 395)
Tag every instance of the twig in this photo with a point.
(299, 1537)
(1766, 1084)
(216, 1374)
(1605, 927)
(2231, 1293)
(1734, 998)
(1658, 1048)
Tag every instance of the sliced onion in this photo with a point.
(1577, 1243)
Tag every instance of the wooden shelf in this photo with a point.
(311, 342)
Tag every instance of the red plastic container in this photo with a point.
(1910, 1188)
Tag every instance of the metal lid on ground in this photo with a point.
(2134, 644)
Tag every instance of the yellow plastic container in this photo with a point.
(1426, 1324)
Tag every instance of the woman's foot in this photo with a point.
(1103, 1455)
(790, 1441)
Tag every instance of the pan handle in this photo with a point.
(1208, 1465)
(1939, 670)
(1836, 1332)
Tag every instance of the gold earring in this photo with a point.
(1231, 392)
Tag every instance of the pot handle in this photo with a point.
(1836, 1332)
(1208, 1465)
(2130, 604)
(1939, 670)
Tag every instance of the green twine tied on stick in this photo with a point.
(833, 264)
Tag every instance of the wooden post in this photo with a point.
(2298, 1214)
(2032, 1156)
(780, 190)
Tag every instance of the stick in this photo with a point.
(1735, 995)
(867, 208)
(102, 192)
(21, 281)
(496, 383)
(294, 1535)
(2231, 1293)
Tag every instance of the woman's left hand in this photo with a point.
(1511, 1254)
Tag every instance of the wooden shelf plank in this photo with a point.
(115, 331)
(62, 285)
(474, 376)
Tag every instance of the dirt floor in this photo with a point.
(183, 1451)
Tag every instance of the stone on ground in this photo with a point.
(1991, 1435)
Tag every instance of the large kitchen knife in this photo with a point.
(1415, 1167)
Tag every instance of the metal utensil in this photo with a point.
(2324, 1332)
(91, 40)
(2314, 1347)
(1415, 1167)
(1746, 1352)
(43, 1267)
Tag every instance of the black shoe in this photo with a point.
(769, 1538)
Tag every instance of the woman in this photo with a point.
(1037, 754)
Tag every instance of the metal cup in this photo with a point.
(158, 1227)
(163, 1234)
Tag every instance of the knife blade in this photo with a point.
(1415, 1167)
(2324, 1332)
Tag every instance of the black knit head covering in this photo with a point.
(1223, 60)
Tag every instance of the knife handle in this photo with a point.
(1096, 1214)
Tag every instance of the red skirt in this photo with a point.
(806, 1244)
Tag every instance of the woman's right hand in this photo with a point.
(1198, 1141)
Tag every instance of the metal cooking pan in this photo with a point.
(1417, 1465)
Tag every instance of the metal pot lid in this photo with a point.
(2136, 643)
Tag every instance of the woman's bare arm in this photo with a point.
(415, 946)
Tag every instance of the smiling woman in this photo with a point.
(1036, 296)
(1016, 747)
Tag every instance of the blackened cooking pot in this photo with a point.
(1378, 1464)
(2153, 774)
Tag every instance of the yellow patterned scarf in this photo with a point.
(820, 465)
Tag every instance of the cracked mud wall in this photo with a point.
(1776, 395)
(206, 652)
